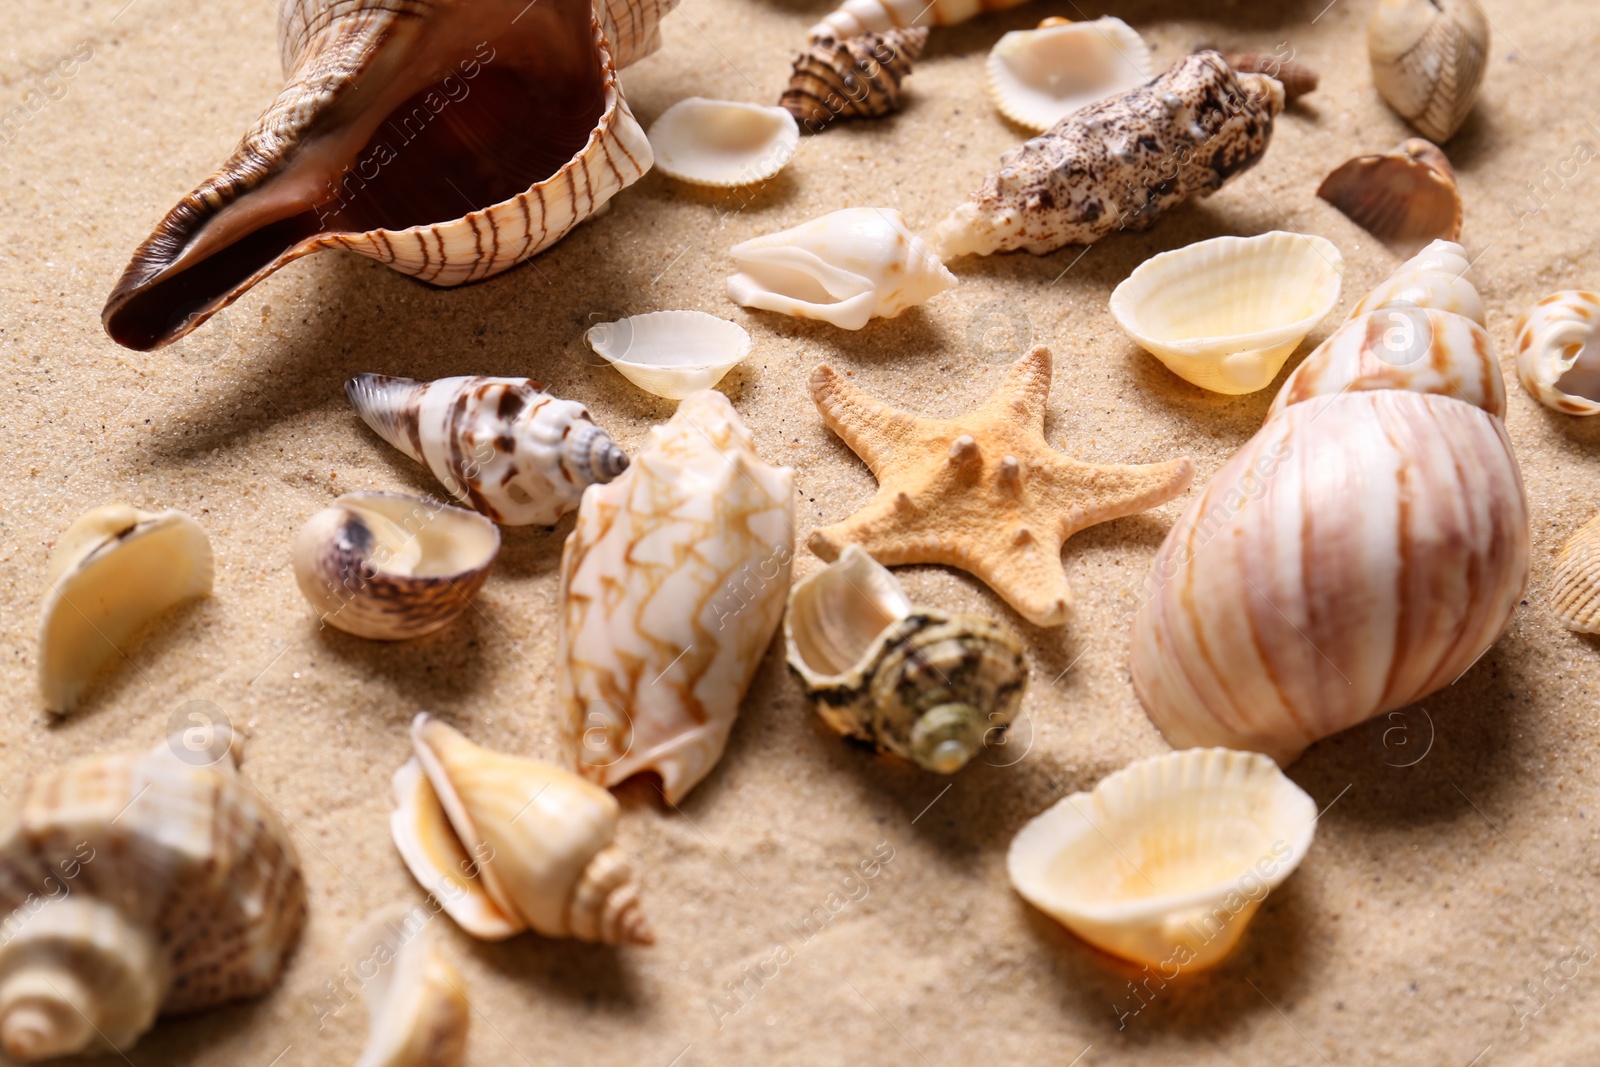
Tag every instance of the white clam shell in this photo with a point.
(112, 571)
(1038, 77)
(723, 143)
(844, 268)
(671, 353)
(1225, 314)
(1165, 862)
(1558, 352)
(415, 1001)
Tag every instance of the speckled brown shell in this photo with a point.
(1575, 587)
(858, 77)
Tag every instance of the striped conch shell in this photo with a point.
(450, 139)
(138, 885)
(1558, 352)
(672, 586)
(853, 77)
(855, 17)
(500, 445)
(1385, 457)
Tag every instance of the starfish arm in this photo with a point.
(1024, 394)
(871, 429)
(1100, 492)
(882, 528)
(1032, 580)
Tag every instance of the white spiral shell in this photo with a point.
(1558, 352)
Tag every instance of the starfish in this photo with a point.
(983, 492)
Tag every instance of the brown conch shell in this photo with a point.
(857, 77)
(1407, 195)
(450, 140)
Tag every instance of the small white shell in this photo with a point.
(843, 268)
(1224, 314)
(723, 142)
(671, 353)
(113, 570)
(1558, 352)
(1038, 77)
(1165, 861)
(418, 1011)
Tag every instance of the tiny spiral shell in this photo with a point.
(854, 77)
(1575, 590)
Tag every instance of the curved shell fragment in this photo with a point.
(671, 353)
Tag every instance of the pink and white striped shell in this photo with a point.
(672, 585)
(1361, 551)
(502, 446)
(1558, 352)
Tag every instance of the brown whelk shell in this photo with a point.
(857, 77)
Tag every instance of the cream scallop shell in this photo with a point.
(112, 571)
(1224, 314)
(671, 353)
(1038, 77)
(723, 142)
(415, 1000)
(1558, 352)
(1165, 862)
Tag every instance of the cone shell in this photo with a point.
(854, 77)
(929, 687)
(1408, 194)
(856, 17)
(1558, 352)
(723, 143)
(1038, 77)
(672, 586)
(1165, 862)
(1428, 59)
(501, 446)
(530, 845)
(138, 884)
(844, 268)
(1225, 314)
(671, 353)
(419, 1013)
(1297, 79)
(111, 572)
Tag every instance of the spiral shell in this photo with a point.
(856, 17)
(502, 446)
(1428, 59)
(851, 77)
(1558, 352)
(925, 685)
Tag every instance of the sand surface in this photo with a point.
(1435, 894)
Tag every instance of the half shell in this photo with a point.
(857, 77)
(1225, 314)
(1038, 77)
(112, 571)
(927, 686)
(1405, 195)
(1558, 352)
(389, 566)
(1165, 862)
(1428, 59)
(671, 353)
(723, 142)
(419, 1014)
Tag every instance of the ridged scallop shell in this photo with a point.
(855, 17)
(1166, 861)
(853, 77)
(508, 844)
(1558, 352)
(723, 143)
(501, 446)
(672, 586)
(113, 570)
(1408, 194)
(138, 885)
(1038, 77)
(671, 353)
(1297, 79)
(928, 686)
(389, 566)
(1428, 59)
(1575, 584)
(417, 1008)
(376, 145)
(1225, 314)
(844, 268)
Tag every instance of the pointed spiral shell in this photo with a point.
(853, 77)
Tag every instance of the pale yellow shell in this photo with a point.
(1575, 584)
(1558, 352)
(416, 999)
(1428, 59)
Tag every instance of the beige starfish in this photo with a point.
(984, 492)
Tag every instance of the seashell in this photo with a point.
(1224, 314)
(843, 268)
(375, 146)
(723, 143)
(1119, 163)
(671, 353)
(1297, 79)
(1165, 862)
(1428, 59)
(136, 885)
(928, 686)
(1387, 457)
(1558, 352)
(853, 77)
(418, 1012)
(508, 844)
(1038, 77)
(672, 585)
(1575, 586)
(389, 566)
(112, 571)
(502, 446)
(856, 17)
(1408, 194)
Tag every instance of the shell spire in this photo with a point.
(853, 77)
(500, 445)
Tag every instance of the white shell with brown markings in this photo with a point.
(1558, 352)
